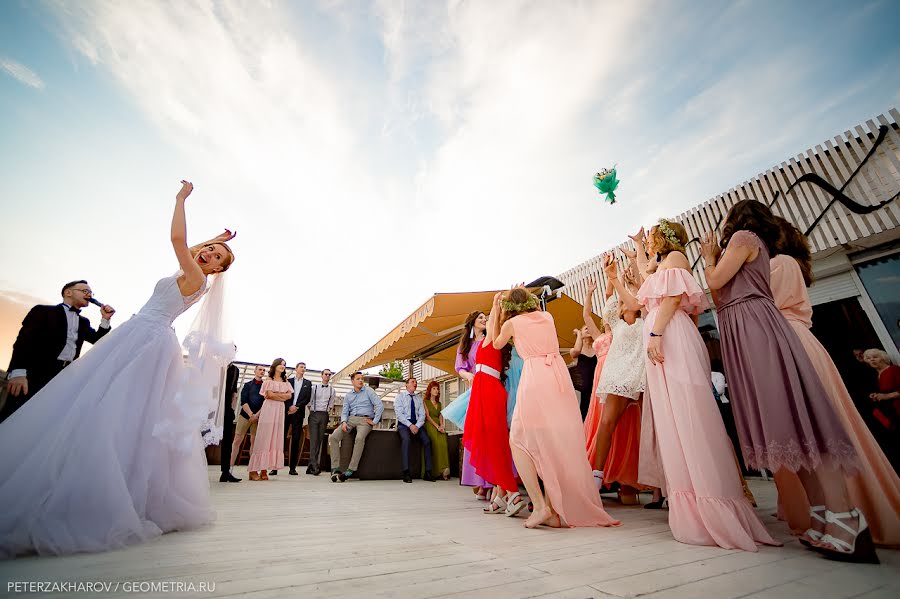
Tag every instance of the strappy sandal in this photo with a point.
(497, 506)
(862, 551)
(513, 507)
(812, 535)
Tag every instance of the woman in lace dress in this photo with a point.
(622, 379)
(781, 408)
(109, 453)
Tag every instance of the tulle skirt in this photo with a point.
(82, 469)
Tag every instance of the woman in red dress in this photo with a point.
(487, 434)
(887, 400)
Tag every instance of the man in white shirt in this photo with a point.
(409, 408)
(294, 413)
(320, 404)
(50, 339)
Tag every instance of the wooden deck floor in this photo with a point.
(306, 537)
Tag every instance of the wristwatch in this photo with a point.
(652, 334)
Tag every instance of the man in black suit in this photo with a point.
(294, 413)
(231, 394)
(50, 339)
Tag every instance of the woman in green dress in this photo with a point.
(434, 428)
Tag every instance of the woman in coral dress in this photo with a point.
(706, 500)
(547, 435)
(268, 447)
(876, 490)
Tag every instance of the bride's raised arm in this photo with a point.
(193, 277)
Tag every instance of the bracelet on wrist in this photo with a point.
(652, 334)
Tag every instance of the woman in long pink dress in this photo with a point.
(876, 489)
(268, 447)
(546, 434)
(706, 501)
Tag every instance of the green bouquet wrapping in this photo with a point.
(606, 183)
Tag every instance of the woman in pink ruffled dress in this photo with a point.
(268, 447)
(706, 501)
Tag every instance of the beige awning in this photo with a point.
(431, 333)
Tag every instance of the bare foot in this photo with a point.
(554, 521)
(538, 517)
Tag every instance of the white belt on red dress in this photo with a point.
(487, 370)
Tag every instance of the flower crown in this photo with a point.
(669, 233)
(530, 304)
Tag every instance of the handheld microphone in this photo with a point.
(96, 302)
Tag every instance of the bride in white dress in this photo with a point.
(110, 452)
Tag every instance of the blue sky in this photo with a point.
(371, 154)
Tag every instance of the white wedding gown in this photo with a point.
(81, 467)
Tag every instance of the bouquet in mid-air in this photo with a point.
(606, 183)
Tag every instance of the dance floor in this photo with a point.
(300, 536)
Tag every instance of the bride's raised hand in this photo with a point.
(228, 235)
(186, 188)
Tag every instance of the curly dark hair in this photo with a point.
(753, 216)
(795, 244)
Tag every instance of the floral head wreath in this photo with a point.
(669, 233)
(530, 304)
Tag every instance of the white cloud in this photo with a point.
(22, 73)
(370, 155)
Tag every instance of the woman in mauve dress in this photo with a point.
(783, 415)
(876, 490)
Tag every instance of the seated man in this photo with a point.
(362, 410)
(410, 411)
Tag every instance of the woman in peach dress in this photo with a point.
(706, 502)
(546, 434)
(268, 447)
(876, 489)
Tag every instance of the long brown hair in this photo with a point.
(431, 386)
(753, 216)
(468, 335)
(274, 365)
(795, 244)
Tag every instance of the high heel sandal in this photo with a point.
(497, 506)
(813, 535)
(513, 507)
(862, 551)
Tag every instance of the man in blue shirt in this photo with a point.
(410, 411)
(362, 410)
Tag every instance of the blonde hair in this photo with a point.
(878, 353)
(665, 243)
(226, 262)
